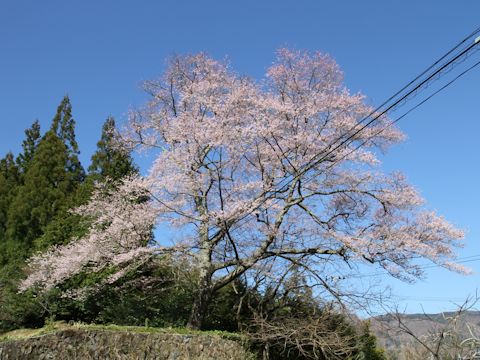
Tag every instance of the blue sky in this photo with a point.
(99, 52)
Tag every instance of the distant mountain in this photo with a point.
(425, 327)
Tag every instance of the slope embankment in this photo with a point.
(95, 344)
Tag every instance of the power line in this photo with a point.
(403, 99)
(473, 258)
(462, 260)
(405, 114)
(453, 61)
(434, 76)
(476, 31)
(382, 113)
(432, 298)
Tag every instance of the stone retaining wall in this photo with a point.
(112, 345)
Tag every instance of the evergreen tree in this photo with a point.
(12, 253)
(109, 161)
(63, 125)
(29, 145)
(9, 181)
(12, 171)
(369, 347)
(46, 186)
(9, 169)
(4, 204)
(50, 182)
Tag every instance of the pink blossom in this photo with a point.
(228, 173)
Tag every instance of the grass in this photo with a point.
(60, 325)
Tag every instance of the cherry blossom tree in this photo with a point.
(251, 176)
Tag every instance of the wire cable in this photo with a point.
(431, 266)
(384, 112)
(268, 195)
(403, 115)
(453, 61)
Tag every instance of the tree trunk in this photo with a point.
(204, 290)
(200, 307)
